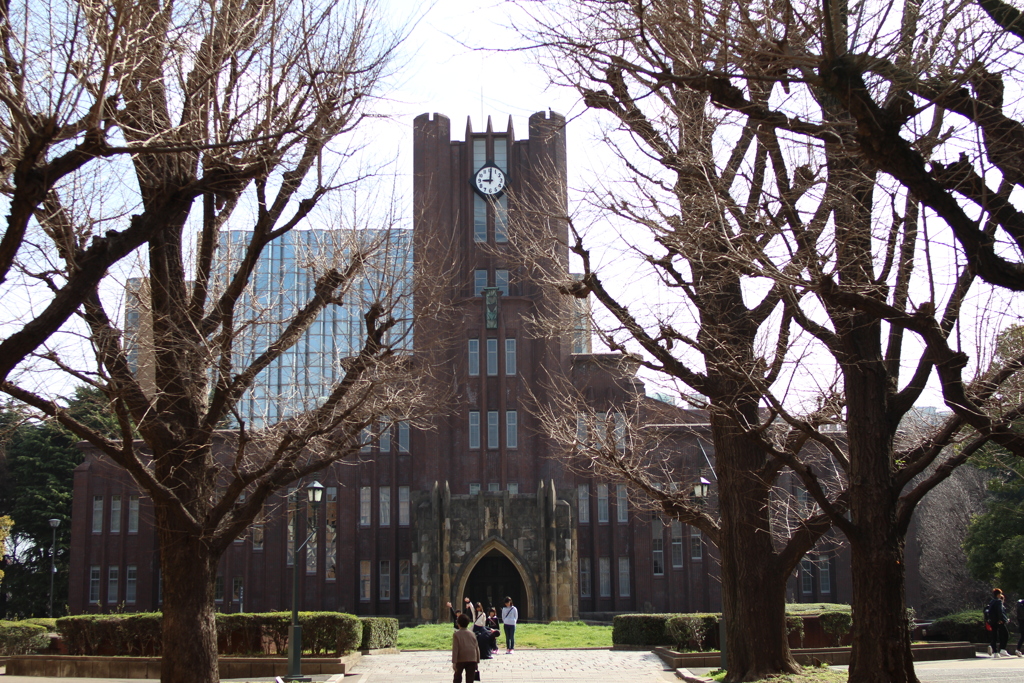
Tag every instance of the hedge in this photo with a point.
(21, 638)
(836, 625)
(641, 629)
(690, 631)
(379, 633)
(968, 625)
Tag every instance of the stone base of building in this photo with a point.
(70, 666)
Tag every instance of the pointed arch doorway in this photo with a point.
(493, 578)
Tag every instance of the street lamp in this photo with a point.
(701, 490)
(54, 523)
(314, 494)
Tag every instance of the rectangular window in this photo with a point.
(600, 429)
(494, 487)
(602, 503)
(364, 506)
(696, 545)
(658, 547)
(581, 430)
(311, 544)
(403, 506)
(824, 575)
(385, 437)
(292, 531)
(510, 357)
(403, 437)
(501, 281)
(257, 531)
(97, 516)
(115, 514)
(218, 589)
(94, 585)
(492, 429)
(236, 589)
(474, 429)
(474, 357)
(583, 502)
(479, 152)
(621, 504)
(364, 580)
(131, 578)
(513, 488)
(584, 577)
(365, 440)
(623, 577)
(511, 429)
(384, 511)
(806, 577)
(385, 580)
(331, 533)
(479, 282)
(605, 578)
(677, 543)
(112, 576)
(404, 580)
(620, 431)
(133, 514)
(501, 219)
(492, 357)
(474, 489)
(479, 218)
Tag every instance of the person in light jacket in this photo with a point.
(509, 617)
(465, 652)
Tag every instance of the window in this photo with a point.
(237, 591)
(583, 502)
(257, 531)
(474, 489)
(696, 545)
(513, 488)
(94, 585)
(97, 516)
(824, 575)
(474, 429)
(331, 533)
(365, 440)
(404, 580)
(510, 357)
(584, 577)
(115, 514)
(492, 429)
(500, 217)
(385, 437)
(133, 514)
(403, 506)
(492, 357)
(364, 506)
(621, 504)
(384, 585)
(605, 578)
(479, 218)
(623, 577)
(364, 580)
(311, 544)
(620, 431)
(474, 357)
(676, 529)
(384, 512)
(403, 437)
(218, 588)
(657, 547)
(131, 576)
(600, 429)
(511, 429)
(494, 487)
(112, 576)
(602, 503)
(479, 282)
(501, 281)
(806, 577)
(581, 430)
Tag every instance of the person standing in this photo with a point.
(995, 612)
(1020, 625)
(482, 634)
(465, 651)
(509, 617)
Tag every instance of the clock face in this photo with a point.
(489, 180)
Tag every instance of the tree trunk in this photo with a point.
(188, 567)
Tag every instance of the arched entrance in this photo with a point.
(493, 578)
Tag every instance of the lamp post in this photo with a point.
(54, 523)
(314, 494)
(701, 490)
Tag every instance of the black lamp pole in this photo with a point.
(54, 523)
(314, 494)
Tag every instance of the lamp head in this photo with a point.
(701, 488)
(54, 523)
(315, 492)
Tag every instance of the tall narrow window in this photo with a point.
(384, 587)
(403, 506)
(501, 219)
(806, 577)
(511, 429)
(331, 533)
(257, 531)
(94, 585)
(218, 588)
(385, 437)
(364, 506)
(131, 576)
(657, 547)
(115, 514)
(621, 504)
(824, 575)
(501, 153)
(602, 503)
(492, 429)
(97, 516)
(292, 521)
(623, 577)
(677, 543)
(404, 580)
(236, 589)
(403, 437)
(479, 218)
(696, 545)
(501, 281)
(311, 544)
(600, 429)
(581, 430)
(474, 357)
(133, 514)
(583, 502)
(112, 577)
(605, 578)
(620, 431)
(479, 282)
(384, 513)
(584, 577)
(492, 357)
(474, 429)
(364, 580)
(510, 357)
(365, 440)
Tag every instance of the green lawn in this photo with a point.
(556, 635)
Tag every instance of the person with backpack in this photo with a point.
(996, 618)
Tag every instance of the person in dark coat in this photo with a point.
(997, 619)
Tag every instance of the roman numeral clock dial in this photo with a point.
(489, 181)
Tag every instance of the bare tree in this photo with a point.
(165, 126)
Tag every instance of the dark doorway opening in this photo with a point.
(493, 578)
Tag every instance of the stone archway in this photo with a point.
(493, 573)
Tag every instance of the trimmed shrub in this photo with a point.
(641, 629)
(795, 626)
(968, 625)
(47, 622)
(836, 625)
(330, 632)
(22, 638)
(379, 633)
(690, 632)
